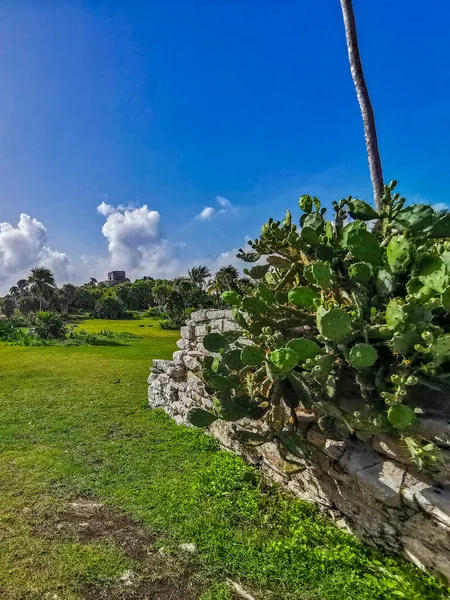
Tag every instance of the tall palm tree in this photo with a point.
(22, 284)
(42, 284)
(14, 292)
(362, 93)
(199, 275)
(227, 278)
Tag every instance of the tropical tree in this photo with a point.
(227, 278)
(362, 93)
(7, 306)
(67, 295)
(199, 275)
(14, 292)
(41, 284)
(22, 284)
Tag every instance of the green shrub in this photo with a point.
(109, 306)
(343, 305)
(154, 313)
(48, 325)
(169, 324)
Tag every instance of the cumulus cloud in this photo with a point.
(25, 246)
(440, 206)
(225, 207)
(136, 243)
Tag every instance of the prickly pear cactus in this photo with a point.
(362, 298)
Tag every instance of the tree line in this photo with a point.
(171, 300)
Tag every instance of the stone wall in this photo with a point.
(365, 485)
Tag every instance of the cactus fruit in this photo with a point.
(360, 272)
(232, 298)
(362, 356)
(359, 209)
(400, 416)
(213, 342)
(304, 348)
(284, 359)
(302, 296)
(252, 355)
(364, 246)
(335, 325)
(398, 253)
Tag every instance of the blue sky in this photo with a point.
(172, 104)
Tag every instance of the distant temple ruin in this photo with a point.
(115, 277)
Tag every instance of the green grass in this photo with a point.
(68, 430)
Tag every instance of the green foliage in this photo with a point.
(361, 305)
(109, 306)
(48, 325)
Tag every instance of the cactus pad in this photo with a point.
(284, 359)
(222, 383)
(445, 299)
(441, 347)
(335, 325)
(232, 298)
(302, 296)
(252, 355)
(213, 342)
(258, 271)
(394, 314)
(253, 305)
(201, 418)
(362, 356)
(359, 209)
(322, 274)
(364, 246)
(398, 253)
(400, 416)
(360, 272)
(304, 348)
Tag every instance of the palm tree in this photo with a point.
(22, 284)
(227, 278)
(14, 292)
(68, 294)
(42, 284)
(199, 275)
(362, 93)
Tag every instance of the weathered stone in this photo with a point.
(272, 457)
(435, 502)
(198, 316)
(187, 332)
(178, 358)
(424, 557)
(383, 481)
(230, 325)
(214, 315)
(391, 447)
(200, 330)
(356, 459)
(412, 485)
(334, 448)
(435, 431)
(183, 344)
(190, 362)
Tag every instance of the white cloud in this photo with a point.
(209, 212)
(23, 247)
(136, 243)
(440, 206)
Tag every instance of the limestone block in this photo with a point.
(270, 454)
(332, 448)
(187, 332)
(199, 316)
(178, 357)
(215, 315)
(190, 362)
(391, 447)
(424, 558)
(382, 481)
(411, 485)
(435, 430)
(357, 458)
(230, 325)
(435, 502)
(183, 344)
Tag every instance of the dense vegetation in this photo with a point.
(74, 431)
(359, 304)
(170, 300)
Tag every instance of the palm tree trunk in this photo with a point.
(370, 132)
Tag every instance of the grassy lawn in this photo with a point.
(97, 493)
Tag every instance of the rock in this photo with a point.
(183, 344)
(334, 448)
(356, 459)
(178, 358)
(199, 316)
(435, 502)
(271, 456)
(190, 362)
(382, 481)
(411, 485)
(424, 558)
(187, 332)
(391, 447)
(435, 431)
(200, 331)
(215, 315)
(230, 325)
(189, 547)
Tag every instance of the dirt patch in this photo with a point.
(157, 574)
